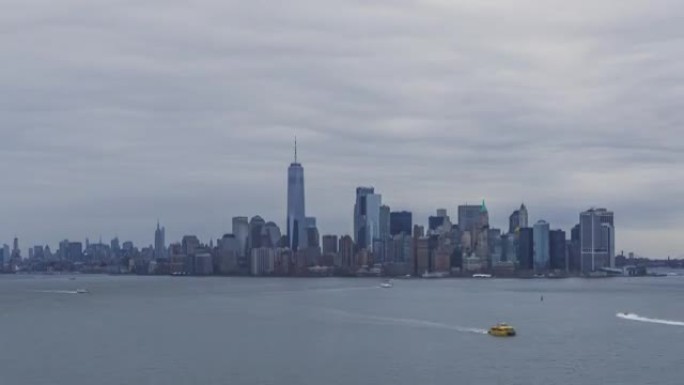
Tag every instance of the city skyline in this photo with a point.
(143, 122)
(295, 189)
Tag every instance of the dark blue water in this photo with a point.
(164, 330)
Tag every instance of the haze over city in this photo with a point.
(115, 115)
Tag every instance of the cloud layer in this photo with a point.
(115, 113)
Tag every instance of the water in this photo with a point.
(165, 330)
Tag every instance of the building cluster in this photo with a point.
(384, 242)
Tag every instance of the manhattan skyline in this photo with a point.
(434, 104)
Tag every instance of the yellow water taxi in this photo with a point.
(502, 330)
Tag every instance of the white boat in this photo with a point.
(482, 276)
(82, 291)
(386, 285)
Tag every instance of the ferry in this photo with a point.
(482, 276)
(502, 330)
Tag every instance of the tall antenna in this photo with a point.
(295, 149)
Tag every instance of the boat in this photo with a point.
(502, 330)
(482, 276)
(82, 291)
(386, 285)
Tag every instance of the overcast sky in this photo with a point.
(114, 113)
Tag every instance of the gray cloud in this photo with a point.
(115, 113)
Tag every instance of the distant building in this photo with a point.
(190, 244)
(558, 250)
(75, 251)
(330, 244)
(495, 245)
(256, 228)
(401, 222)
(263, 261)
(271, 235)
(227, 258)
(384, 226)
(346, 251)
(541, 249)
(469, 217)
(296, 213)
(597, 240)
(525, 248)
(574, 250)
(366, 217)
(400, 249)
(418, 231)
(241, 232)
(204, 264)
(160, 242)
(16, 252)
(422, 255)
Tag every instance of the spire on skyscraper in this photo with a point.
(295, 150)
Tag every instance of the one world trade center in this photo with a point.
(296, 215)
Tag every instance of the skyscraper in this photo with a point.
(241, 232)
(523, 216)
(296, 213)
(558, 250)
(159, 242)
(256, 228)
(330, 244)
(401, 222)
(514, 222)
(525, 248)
(271, 235)
(597, 239)
(384, 226)
(541, 246)
(468, 217)
(366, 217)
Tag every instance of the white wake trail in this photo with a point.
(409, 322)
(56, 291)
(636, 317)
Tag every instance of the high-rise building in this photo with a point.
(401, 222)
(263, 261)
(346, 251)
(271, 235)
(400, 249)
(296, 213)
(541, 249)
(75, 251)
(422, 246)
(159, 242)
(418, 231)
(241, 232)
(494, 245)
(439, 222)
(469, 217)
(384, 226)
(366, 217)
(558, 250)
(574, 250)
(256, 227)
(330, 244)
(525, 248)
(190, 244)
(523, 216)
(228, 254)
(16, 253)
(597, 239)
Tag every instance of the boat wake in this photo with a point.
(57, 291)
(636, 317)
(406, 322)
